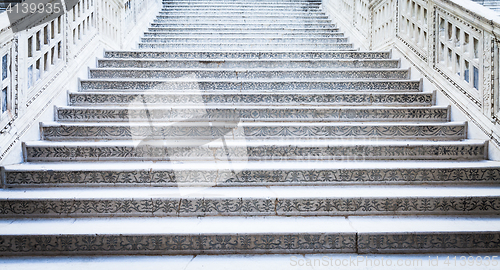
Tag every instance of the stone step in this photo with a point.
(245, 40)
(257, 2)
(243, 35)
(250, 235)
(224, 150)
(213, 98)
(232, 113)
(292, 2)
(240, 4)
(200, 55)
(246, 47)
(247, 25)
(248, 63)
(256, 12)
(249, 9)
(241, 30)
(193, 84)
(244, 74)
(244, 261)
(235, 174)
(189, 22)
(243, 18)
(253, 130)
(249, 201)
(239, 19)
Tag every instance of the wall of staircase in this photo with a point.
(452, 45)
(243, 127)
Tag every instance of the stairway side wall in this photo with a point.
(452, 44)
(33, 81)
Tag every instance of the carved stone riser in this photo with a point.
(198, 207)
(252, 47)
(256, 98)
(268, 30)
(172, 244)
(221, 153)
(204, 113)
(208, 20)
(241, 5)
(290, 13)
(248, 25)
(305, 9)
(276, 177)
(247, 55)
(246, 40)
(269, 243)
(124, 132)
(256, 34)
(284, 85)
(218, 64)
(247, 74)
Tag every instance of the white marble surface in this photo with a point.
(252, 262)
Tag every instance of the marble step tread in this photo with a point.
(192, 84)
(243, 13)
(249, 16)
(239, 19)
(283, 11)
(265, 25)
(253, 130)
(247, 47)
(249, 63)
(238, 149)
(243, 261)
(263, 98)
(275, 55)
(248, 235)
(218, 6)
(232, 40)
(276, 30)
(246, 2)
(250, 73)
(240, 9)
(248, 112)
(248, 201)
(235, 173)
(241, 5)
(244, 35)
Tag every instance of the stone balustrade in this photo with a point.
(453, 43)
(40, 63)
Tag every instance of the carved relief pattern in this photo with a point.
(231, 99)
(247, 206)
(165, 132)
(248, 243)
(74, 114)
(252, 177)
(331, 152)
(177, 244)
(430, 242)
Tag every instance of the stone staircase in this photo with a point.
(245, 127)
